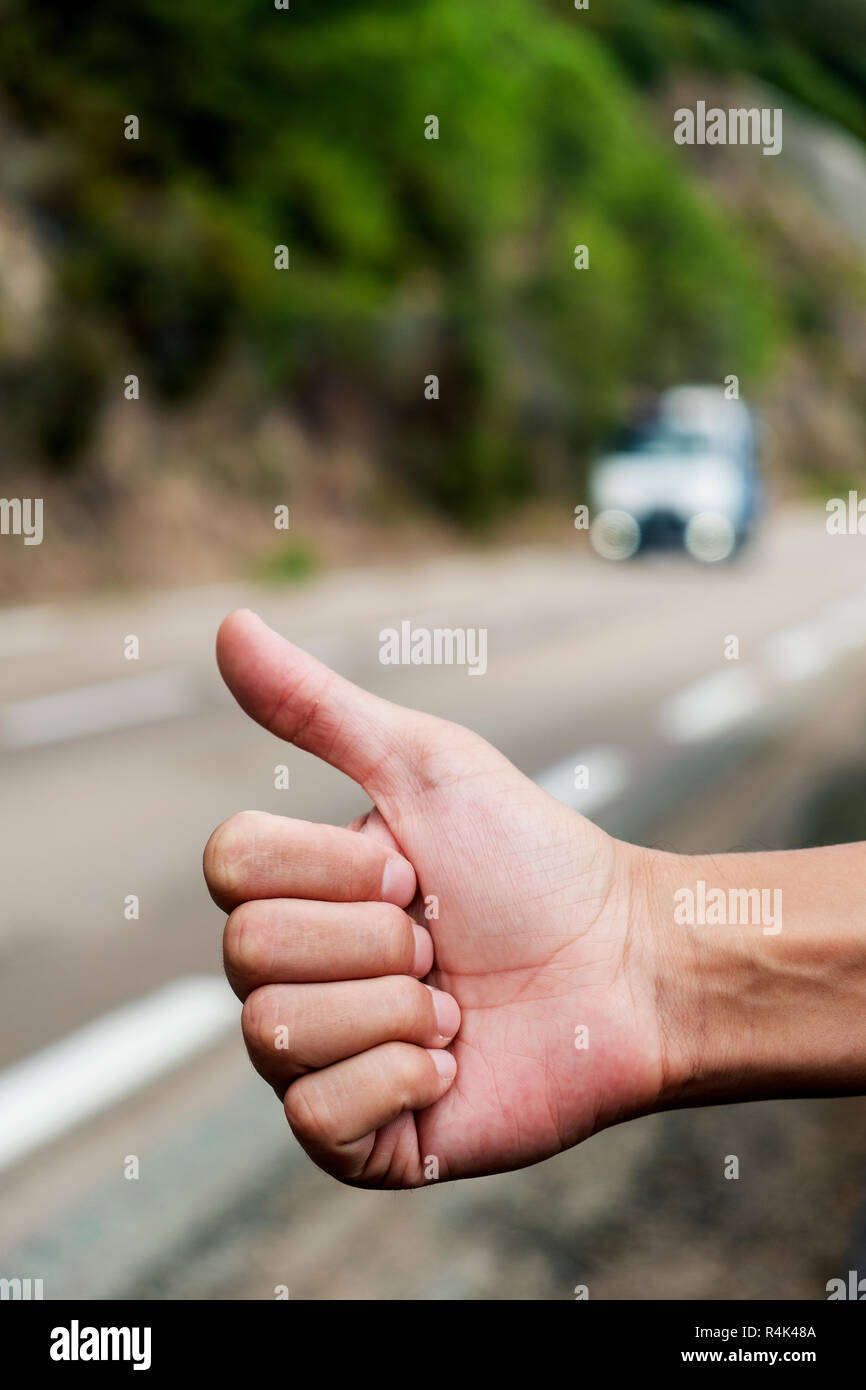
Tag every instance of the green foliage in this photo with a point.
(408, 256)
(291, 564)
(813, 49)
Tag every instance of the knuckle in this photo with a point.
(307, 1113)
(405, 1063)
(415, 1006)
(397, 1060)
(360, 872)
(226, 853)
(245, 949)
(259, 1018)
(396, 938)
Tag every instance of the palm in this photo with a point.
(533, 920)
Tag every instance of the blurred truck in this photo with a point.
(688, 478)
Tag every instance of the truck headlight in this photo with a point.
(710, 537)
(615, 535)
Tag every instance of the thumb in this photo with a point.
(299, 699)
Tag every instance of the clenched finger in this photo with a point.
(300, 941)
(335, 1113)
(291, 1029)
(256, 855)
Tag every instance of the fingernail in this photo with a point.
(423, 962)
(447, 1013)
(398, 882)
(444, 1062)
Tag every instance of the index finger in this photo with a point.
(256, 855)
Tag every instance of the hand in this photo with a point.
(540, 932)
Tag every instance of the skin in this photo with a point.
(394, 1036)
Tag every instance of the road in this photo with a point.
(118, 1039)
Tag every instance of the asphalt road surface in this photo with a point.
(120, 1042)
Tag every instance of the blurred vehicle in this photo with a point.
(688, 479)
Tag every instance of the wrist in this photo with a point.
(671, 974)
(760, 974)
(706, 972)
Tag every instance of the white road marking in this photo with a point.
(27, 630)
(92, 709)
(51, 1091)
(800, 652)
(710, 706)
(607, 775)
(844, 621)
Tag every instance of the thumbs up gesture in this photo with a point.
(516, 1022)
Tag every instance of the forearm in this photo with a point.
(761, 973)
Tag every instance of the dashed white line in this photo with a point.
(844, 621)
(800, 652)
(51, 1091)
(93, 709)
(26, 630)
(710, 706)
